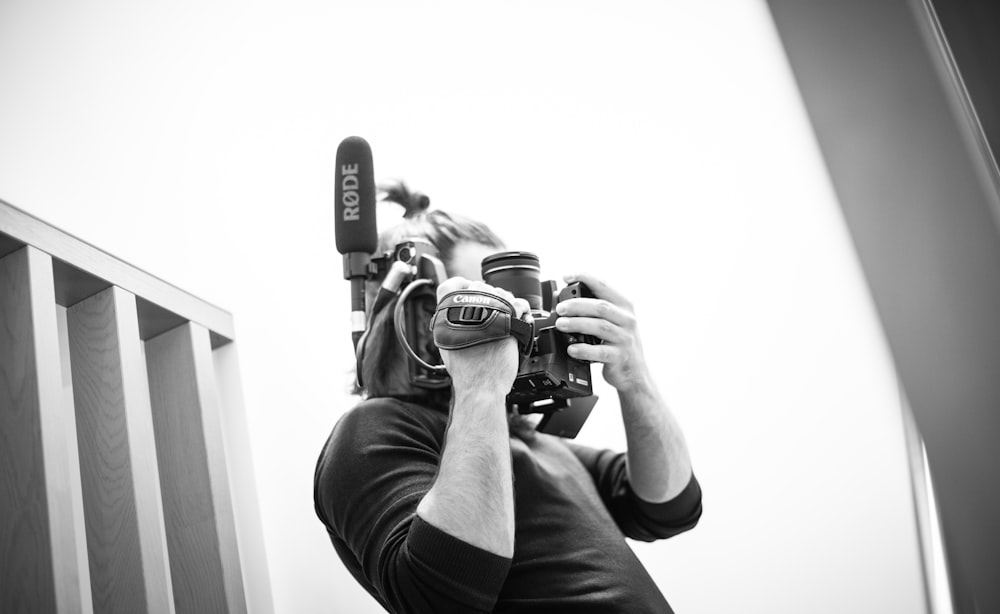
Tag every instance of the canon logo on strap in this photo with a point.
(472, 298)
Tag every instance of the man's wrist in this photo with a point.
(641, 386)
(480, 401)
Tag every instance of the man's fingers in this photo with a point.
(602, 329)
(593, 353)
(452, 284)
(482, 286)
(521, 307)
(596, 308)
(600, 289)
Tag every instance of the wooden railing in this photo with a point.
(125, 474)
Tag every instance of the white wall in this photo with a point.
(660, 144)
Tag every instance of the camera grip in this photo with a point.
(466, 318)
(578, 289)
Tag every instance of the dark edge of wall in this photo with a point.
(909, 180)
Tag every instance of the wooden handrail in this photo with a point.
(82, 270)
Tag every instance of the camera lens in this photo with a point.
(518, 273)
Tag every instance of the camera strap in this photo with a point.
(466, 318)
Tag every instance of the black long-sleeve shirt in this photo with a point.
(573, 510)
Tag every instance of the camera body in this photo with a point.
(549, 373)
(549, 380)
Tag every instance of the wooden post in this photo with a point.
(39, 561)
(204, 557)
(125, 528)
(242, 481)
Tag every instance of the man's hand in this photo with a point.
(490, 366)
(659, 466)
(611, 318)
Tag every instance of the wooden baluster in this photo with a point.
(242, 482)
(126, 533)
(39, 541)
(204, 557)
(73, 456)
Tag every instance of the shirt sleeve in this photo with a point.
(376, 467)
(637, 518)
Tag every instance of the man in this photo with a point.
(441, 502)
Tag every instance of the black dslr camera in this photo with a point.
(549, 380)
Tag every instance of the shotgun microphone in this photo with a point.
(357, 233)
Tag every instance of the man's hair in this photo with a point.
(443, 230)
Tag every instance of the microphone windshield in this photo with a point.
(355, 225)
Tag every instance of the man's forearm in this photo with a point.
(659, 466)
(473, 495)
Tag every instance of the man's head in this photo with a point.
(461, 244)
